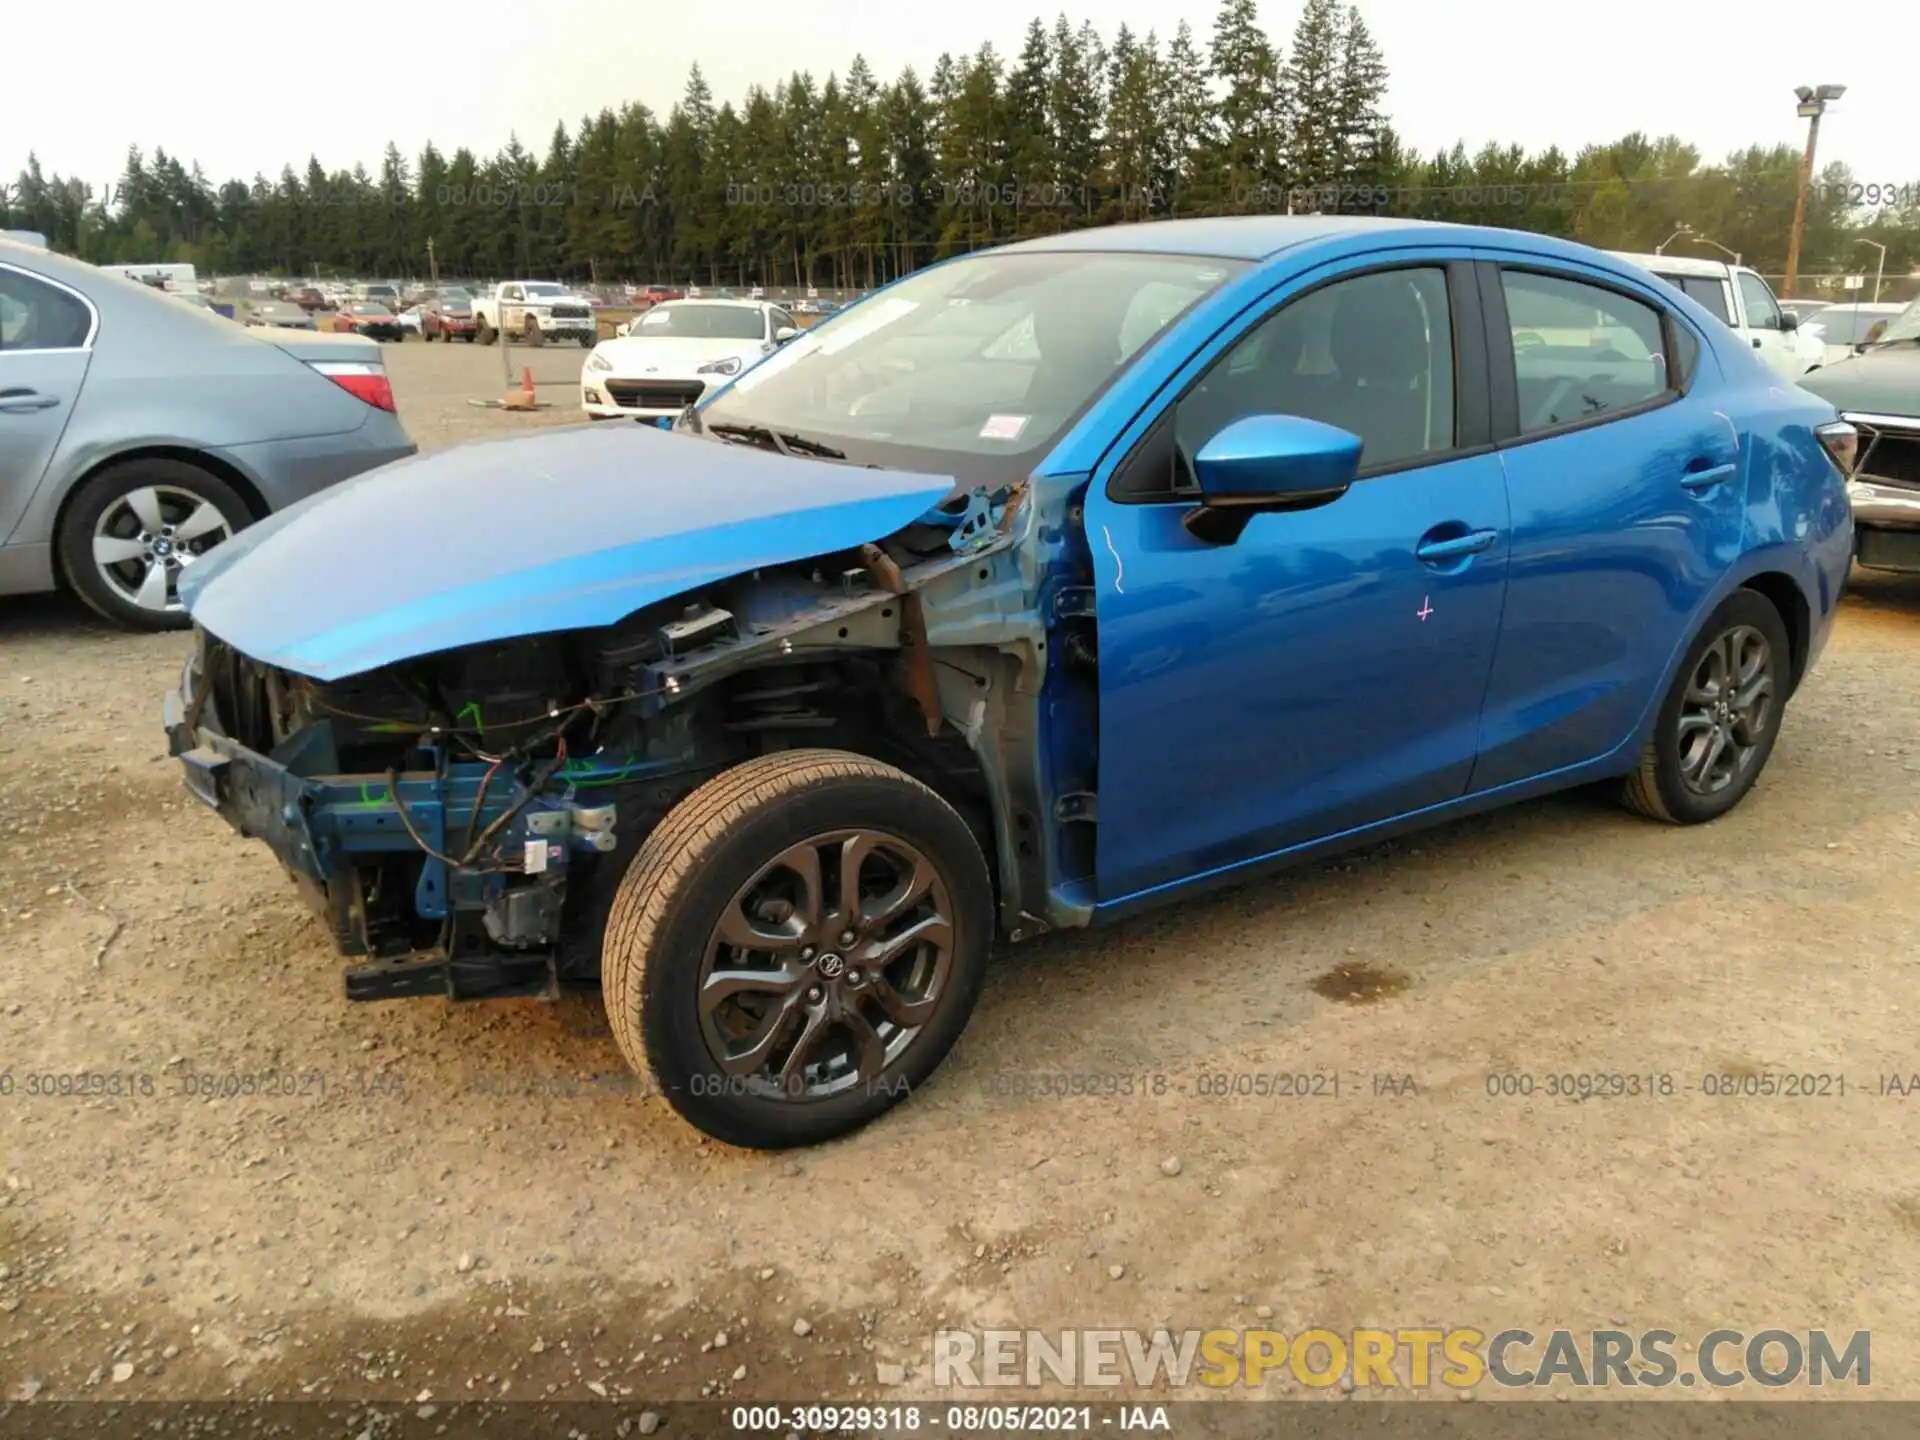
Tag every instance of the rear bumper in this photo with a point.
(1893, 507)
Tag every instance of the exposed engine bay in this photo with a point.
(461, 819)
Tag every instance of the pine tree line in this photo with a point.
(852, 182)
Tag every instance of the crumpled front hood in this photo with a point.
(1884, 381)
(563, 530)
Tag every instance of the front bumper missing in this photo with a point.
(498, 920)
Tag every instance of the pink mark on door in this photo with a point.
(1426, 608)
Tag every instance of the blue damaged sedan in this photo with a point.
(1044, 585)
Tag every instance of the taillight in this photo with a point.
(1842, 442)
(364, 382)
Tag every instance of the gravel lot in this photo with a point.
(469, 1201)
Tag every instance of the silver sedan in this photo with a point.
(136, 432)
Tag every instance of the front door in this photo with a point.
(1765, 332)
(1325, 670)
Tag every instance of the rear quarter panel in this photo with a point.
(190, 381)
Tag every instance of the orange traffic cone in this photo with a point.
(526, 382)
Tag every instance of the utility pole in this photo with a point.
(1880, 273)
(433, 266)
(1813, 104)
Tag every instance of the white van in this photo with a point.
(1739, 296)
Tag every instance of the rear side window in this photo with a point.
(37, 316)
(1707, 290)
(1580, 351)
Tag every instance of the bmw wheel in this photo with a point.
(1721, 716)
(132, 529)
(797, 945)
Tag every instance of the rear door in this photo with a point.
(1626, 481)
(46, 341)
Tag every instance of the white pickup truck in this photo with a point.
(1743, 300)
(534, 312)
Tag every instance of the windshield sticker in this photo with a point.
(1003, 427)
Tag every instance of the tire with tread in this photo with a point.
(1655, 788)
(74, 543)
(689, 868)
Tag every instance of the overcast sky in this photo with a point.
(243, 86)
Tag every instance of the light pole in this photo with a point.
(1880, 273)
(1813, 104)
(1688, 232)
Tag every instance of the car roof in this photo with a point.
(735, 301)
(1235, 237)
(1676, 264)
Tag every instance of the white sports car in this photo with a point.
(672, 354)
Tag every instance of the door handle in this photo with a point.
(1440, 552)
(18, 401)
(1700, 480)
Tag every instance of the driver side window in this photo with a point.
(1372, 355)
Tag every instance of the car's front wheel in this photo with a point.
(797, 945)
(133, 528)
(1720, 718)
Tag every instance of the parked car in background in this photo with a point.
(976, 615)
(673, 353)
(378, 293)
(1804, 310)
(279, 312)
(193, 300)
(409, 319)
(307, 298)
(1878, 392)
(1739, 297)
(656, 295)
(533, 312)
(448, 315)
(369, 318)
(1845, 329)
(135, 433)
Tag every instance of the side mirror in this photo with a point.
(1789, 320)
(1268, 462)
(784, 334)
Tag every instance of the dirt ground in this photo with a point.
(414, 1199)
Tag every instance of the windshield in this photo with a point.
(1904, 326)
(701, 322)
(983, 359)
(535, 292)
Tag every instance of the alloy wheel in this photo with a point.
(826, 965)
(1728, 706)
(145, 538)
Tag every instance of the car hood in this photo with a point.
(634, 356)
(565, 530)
(1881, 382)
